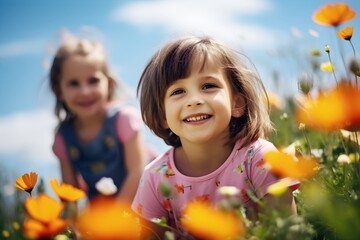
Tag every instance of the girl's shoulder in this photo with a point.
(122, 109)
(258, 147)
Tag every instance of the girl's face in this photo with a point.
(199, 108)
(83, 86)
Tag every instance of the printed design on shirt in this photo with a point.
(181, 188)
(165, 168)
(247, 180)
(98, 166)
(239, 168)
(261, 164)
(167, 205)
(139, 208)
(74, 153)
(244, 195)
(109, 141)
(203, 198)
(217, 183)
(250, 152)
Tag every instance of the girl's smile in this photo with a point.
(197, 118)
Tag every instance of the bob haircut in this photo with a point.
(174, 61)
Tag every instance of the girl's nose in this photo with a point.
(85, 89)
(194, 101)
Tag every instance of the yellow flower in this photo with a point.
(16, 225)
(338, 108)
(5, 233)
(279, 187)
(108, 218)
(334, 14)
(327, 67)
(275, 101)
(66, 192)
(37, 230)
(27, 182)
(346, 33)
(43, 208)
(205, 222)
(286, 165)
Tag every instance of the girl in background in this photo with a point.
(97, 136)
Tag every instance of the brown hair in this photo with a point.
(82, 47)
(173, 62)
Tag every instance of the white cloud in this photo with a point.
(21, 47)
(29, 135)
(225, 20)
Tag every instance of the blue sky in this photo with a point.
(273, 33)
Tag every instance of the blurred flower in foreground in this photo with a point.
(106, 186)
(334, 14)
(205, 222)
(27, 182)
(286, 165)
(44, 222)
(275, 101)
(343, 159)
(346, 33)
(38, 230)
(327, 67)
(352, 136)
(336, 109)
(279, 187)
(43, 208)
(108, 218)
(66, 192)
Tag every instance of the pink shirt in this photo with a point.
(244, 169)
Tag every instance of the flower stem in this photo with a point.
(356, 77)
(333, 72)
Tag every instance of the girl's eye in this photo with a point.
(208, 85)
(177, 92)
(94, 80)
(73, 83)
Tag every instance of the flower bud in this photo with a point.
(305, 83)
(355, 67)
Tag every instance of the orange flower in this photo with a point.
(66, 192)
(108, 218)
(334, 14)
(37, 230)
(43, 208)
(346, 33)
(336, 109)
(205, 222)
(275, 101)
(27, 182)
(286, 165)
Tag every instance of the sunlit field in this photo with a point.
(318, 138)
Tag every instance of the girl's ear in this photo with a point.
(238, 108)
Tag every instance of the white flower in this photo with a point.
(106, 186)
(229, 191)
(343, 158)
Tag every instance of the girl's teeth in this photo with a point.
(197, 118)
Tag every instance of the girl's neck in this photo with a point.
(199, 160)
